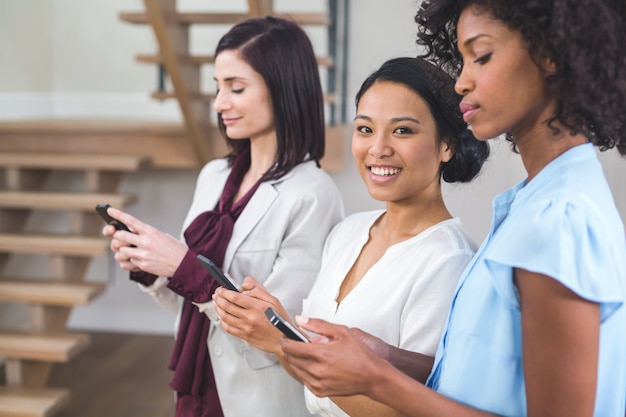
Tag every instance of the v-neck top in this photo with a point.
(403, 298)
(562, 224)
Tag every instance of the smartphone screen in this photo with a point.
(217, 273)
(285, 327)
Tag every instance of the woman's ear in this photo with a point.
(446, 151)
(548, 66)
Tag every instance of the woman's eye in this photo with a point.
(237, 90)
(363, 129)
(402, 130)
(483, 59)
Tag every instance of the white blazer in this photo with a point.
(277, 239)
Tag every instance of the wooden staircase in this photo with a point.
(29, 350)
(97, 154)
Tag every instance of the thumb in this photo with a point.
(256, 290)
(321, 327)
(249, 283)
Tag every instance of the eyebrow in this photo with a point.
(474, 38)
(404, 119)
(393, 120)
(230, 79)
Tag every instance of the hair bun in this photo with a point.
(468, 159)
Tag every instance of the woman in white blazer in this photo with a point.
(264, 210)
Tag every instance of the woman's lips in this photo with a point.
(468, 111)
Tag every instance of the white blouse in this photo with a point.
(403, 298)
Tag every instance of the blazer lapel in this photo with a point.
(256, 208)
(252, 214)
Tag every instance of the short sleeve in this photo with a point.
(428, 304)
(566, 241)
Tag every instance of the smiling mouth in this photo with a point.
(229, 120)
(384, 172)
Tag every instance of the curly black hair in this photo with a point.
(586, 39)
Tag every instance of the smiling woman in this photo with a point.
(537, 323)
(408, 134)
(396, 147)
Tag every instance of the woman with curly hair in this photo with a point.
(537, 326)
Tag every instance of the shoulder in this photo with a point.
(451, 234)
(351, 229)
(565, 227)
(308, 174)
(306, 181)
(357, 221)
(215, 168)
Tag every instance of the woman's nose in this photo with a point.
(221, 102)
(463, 84)
(380, 147)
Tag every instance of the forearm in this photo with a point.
(412, 399)
(362, 406)
(414, 364)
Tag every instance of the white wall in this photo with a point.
(75, 58)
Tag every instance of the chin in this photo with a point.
(481, 134)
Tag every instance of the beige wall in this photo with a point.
(26, 46)
(74, 58)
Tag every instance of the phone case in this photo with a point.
(217, 273)
(285, 327)
(102, 211)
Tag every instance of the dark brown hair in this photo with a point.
(282, 53)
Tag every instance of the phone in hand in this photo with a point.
(217, 273)
(102, 211)
(284, 326)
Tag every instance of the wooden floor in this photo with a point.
(118, 375)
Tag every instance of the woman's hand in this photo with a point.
(146, 248)
(242, 314)
(116, 246)
(336, 363)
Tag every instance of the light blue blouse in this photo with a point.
(563, 224)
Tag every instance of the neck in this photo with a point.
(541, 148)
(405, 221)
(262, 155)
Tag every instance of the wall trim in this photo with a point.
(118, 106)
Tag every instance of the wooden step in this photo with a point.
(48, 292)
(61, 201)
(41, 346)
(324, 61)
(225, 18)
(166, 95)
(31, 402)
(166, 144)
(53, 245)
(64, 161)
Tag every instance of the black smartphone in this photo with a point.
(102, 211)
(217, 273)
(285, 327)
